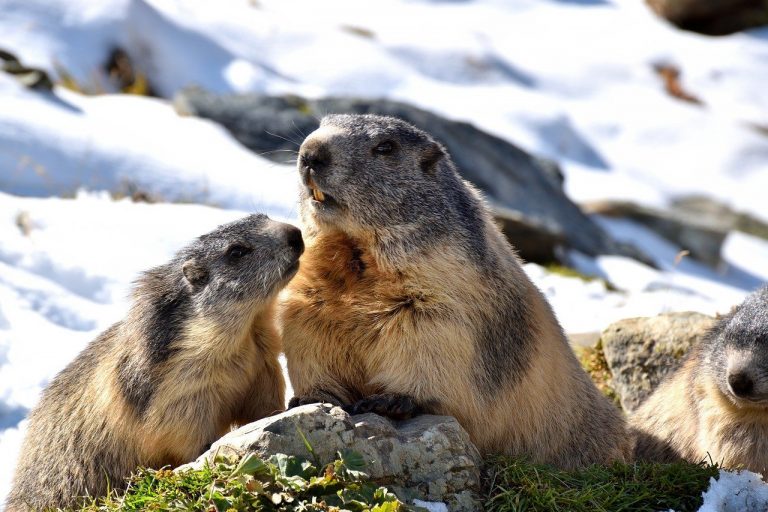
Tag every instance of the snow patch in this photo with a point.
(432, 506)
(741, 491)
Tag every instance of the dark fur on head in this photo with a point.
(735, 352)
(218, 268)
(383, 177)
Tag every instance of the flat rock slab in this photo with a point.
(641, 352)
(428, 457)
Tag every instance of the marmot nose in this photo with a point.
(315, 156)
(741, 384)
(293, 236)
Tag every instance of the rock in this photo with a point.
(33, 78)
(713, 17)
(702, 236)
(525, 192)
(640, 352)
(428, 457)
(715, 213)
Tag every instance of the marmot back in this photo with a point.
(196, 354)
(716, 405)
(410, 299)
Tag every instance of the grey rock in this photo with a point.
(716, 214)
(702, 236)
(525, 191)
(31, 77)
(428, 457)
(713, 17)
(641, 352)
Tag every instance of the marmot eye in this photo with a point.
(384, 148)
(237, 251)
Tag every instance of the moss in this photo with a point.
(564, 271)
(518, 486)
(593, 361)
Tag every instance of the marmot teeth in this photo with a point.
(316, 192)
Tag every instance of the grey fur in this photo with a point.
(736, 428)
(744, 330)
(74, 445)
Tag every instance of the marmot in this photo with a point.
(196, 354)
(410, 299)
(715, 407)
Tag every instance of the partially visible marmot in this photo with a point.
(196, 354)
(410, 299)
(716, 405)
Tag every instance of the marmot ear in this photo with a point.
(430, 156)
(195, 274)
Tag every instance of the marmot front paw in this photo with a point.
(394, 406)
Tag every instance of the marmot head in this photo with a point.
(247, 260)
(387, 183)
(737, 352)
(243, 263)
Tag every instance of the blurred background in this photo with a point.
(622, 144)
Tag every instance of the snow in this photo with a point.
(431, 506)
(741, 491)
(570, 80)
(55, 144)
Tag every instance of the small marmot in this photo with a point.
(716, 405)
(196, 354)
(410, 299)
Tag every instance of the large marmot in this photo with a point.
(410, 299)
(715, 407)
(196, 354)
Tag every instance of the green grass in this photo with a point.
(518, 486)
(285, 483)
(280, 483)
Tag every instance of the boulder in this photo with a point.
(525, 191)
(702, 236)
(713, 17)
(714, 213)
(640, 352)
(428, 458)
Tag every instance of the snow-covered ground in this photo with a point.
(569, 79)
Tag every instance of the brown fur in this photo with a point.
(88, 434)
(688, 417)
(359, 320)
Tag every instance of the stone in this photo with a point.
(524, 191)
(641, 352)
(428, 457)
(714, 213)
(700, 235)
(713, 17)
(31, 77)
